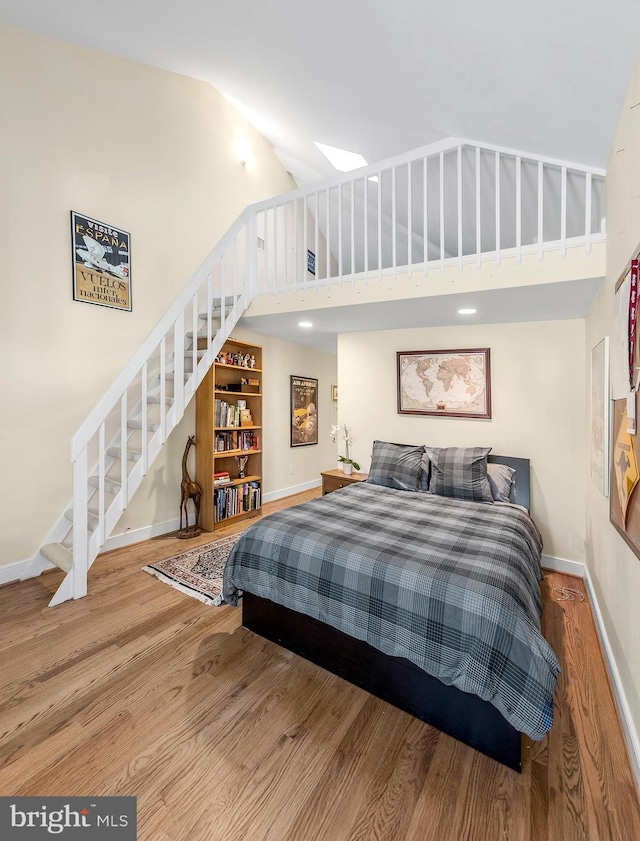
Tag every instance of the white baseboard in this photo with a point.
(294, 489)
(131, 536)
(16, 569)
(563, 565)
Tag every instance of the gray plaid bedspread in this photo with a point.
(452, 586)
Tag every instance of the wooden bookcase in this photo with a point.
(217, 425)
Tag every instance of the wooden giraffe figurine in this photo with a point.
(189, 490)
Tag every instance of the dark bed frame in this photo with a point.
(464, 716)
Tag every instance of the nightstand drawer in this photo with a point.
(332, 480)
(331, 483)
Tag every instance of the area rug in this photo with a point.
(198, 571)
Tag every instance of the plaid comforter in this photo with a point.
(452, 586)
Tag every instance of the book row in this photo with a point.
(226, 441)
(228, 502)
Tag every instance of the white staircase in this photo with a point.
(446, 204)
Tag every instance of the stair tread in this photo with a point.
(135, 423)
(132, 455)
(59, 555)
(92, 518)
(155, 398)
(110, 485)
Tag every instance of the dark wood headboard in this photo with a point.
(521, 466)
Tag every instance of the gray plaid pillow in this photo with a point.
(396, 465)
(460, 472)
(502, 482)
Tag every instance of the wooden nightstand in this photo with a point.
(334, 479)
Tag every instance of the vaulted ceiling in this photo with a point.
(381, 77)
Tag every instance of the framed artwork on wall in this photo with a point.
(100, 255)
(304, 411)
(450, 383)
(624, 503)
(599, 444)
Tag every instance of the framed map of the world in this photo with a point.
(451, 383)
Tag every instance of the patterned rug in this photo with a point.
(198, 571)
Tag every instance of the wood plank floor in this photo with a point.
(141, 690)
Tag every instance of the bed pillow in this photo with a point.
(460, 472)
(502, 482)
(396, 465)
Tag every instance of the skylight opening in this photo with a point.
(342, 160)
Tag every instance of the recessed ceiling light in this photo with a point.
(467, 311)
(340, 158)
(305, 324)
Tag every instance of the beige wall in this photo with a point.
(284, 469)
(614, 569)
(139, 148)
(538, 401)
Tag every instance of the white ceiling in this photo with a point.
(543, 302)
(380, 78)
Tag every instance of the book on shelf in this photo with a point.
(220, 474)
(218, 482)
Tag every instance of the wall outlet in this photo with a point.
(290, 470)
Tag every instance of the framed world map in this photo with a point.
(451, 383)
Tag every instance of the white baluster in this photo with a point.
(478, 211)
(296, 246)
(425, 216)
(540, 210)
(365, 192)
(102, 469)
(587, 215)
(145, 431)
(459, 173)
(328, 242)
(497, 173)
(163, 374)
(340, 233)
(563, 213)
(409, 223)
(124, 446)
(80, 529)
(518, 210)
(442, 210)
(316, 250)
(178, 365)
(394, 226)
(380, 225)
(305, 246)
(353, 233)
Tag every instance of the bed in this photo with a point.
(429, 602)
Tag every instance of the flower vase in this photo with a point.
(347, 468)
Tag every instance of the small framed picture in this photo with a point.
(334, 392)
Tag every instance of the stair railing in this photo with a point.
(447, 204)
(162, 377)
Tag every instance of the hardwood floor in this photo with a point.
(141, 690)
